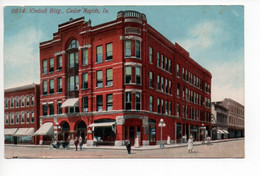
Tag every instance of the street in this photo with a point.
(230, 149)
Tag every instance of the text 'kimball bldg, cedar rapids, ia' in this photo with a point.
(116, 81)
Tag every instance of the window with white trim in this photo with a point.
(44, 67)
(32, 117)
(17, 102)
(17, 118)
(51, 86)
(28, 117)
(150, 79)
(59, 85)
(109, 52)
(138, 101)
(109, 102)
(138, 75)
(99, 102)
(32, 101)
(12, 119)
(85, 80)
(99, 78)
(99, 55)
(128, 100)
(59, 63)
(150, 55)
(51, 65)
(12, 102)
(128, 75)
(151, 104)
(109, 77)
(6, 103)
(85, 56)
(6, 119)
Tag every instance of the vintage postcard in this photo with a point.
(124, 82)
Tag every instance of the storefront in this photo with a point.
(133, 130)
(152, 132)
(104, 131)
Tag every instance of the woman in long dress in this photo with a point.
(190, 144)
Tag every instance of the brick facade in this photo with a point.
(146, 85)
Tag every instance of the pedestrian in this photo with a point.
(80, 142)
(128, 146)
(190, 144)
(76, 143)
(86, 140)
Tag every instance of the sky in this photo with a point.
(213, 35)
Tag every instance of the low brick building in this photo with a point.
(21, 114)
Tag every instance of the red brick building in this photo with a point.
(22, 114)
(116, 80)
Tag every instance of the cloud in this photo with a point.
(203, 35)
(21, 57)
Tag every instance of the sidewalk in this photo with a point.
(148, 147)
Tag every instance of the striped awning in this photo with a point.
(24, 132)
(71, 102)
(220, 132)
(45, 129)
(10, 131)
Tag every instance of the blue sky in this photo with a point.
(213, 35)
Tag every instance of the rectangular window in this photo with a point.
(162, 61)
(158, 105)
(150, 79)
(32, 101)
(100, 78)
(12, 102)
(162, 83)
(128, 75)
(166, 63)
(128, 101)
(138, 75)
(128, 48)
(150, 54)
(178, 90)
(109, 77)
(51, 65)
(183, 111)
(177, 70)
(17, 118)
(51, 86)
(85, 80)
(17, 102)
(59, 64)
(166, 85)
(170, 87)
(6, 119)
(151, 104)
(12, 119)
(85, 56)
(44, 67)
(73, 60)
(32, 117)
(137, 49)
(170, 108)
(77, 82)
(44, 88)
(85, 104)
(162, 106)
(59, 85)
(183, 73)
(59, 107)
(28, 117)
(158, 59)
(71, 83)
(177, 109)
(158, 82)
(109, 52)
(51, 109)
(137, 101)
(27, 101)
(6, 103)
(99, 103)
(170, 66)
(22, 100)
(109, 102)
(166, 107)
(22, 118)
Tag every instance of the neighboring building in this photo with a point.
(21, 114)
(235, 117)
(219, 121)
(116, 80)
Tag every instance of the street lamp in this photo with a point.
(161, 124)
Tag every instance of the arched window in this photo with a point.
(73, 44)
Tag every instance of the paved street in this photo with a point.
(228, 149)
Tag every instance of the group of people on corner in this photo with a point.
(79, 142)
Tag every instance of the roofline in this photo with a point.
(24, 87)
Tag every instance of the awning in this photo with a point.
(225, 131)
(71, 102)
(220, 132)
(105, 124)
(10, 131)
(24, 132)
(45, 129)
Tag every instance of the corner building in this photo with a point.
(116, 80)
